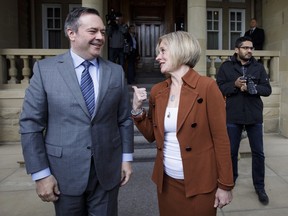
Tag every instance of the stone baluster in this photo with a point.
(223, 58)
(37, 57)
(257, 58)
(12, 70)
(26, 71)
(265, 60)
(274, 69)
(212, 68)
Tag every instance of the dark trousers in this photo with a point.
(94, 202)
(117, 55)
(255, 136)
(131, 66)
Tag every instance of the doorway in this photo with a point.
(148, 33)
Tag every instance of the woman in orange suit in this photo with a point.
(186, 117)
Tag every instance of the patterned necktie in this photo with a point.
(87, 88)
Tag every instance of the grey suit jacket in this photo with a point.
(57, 131)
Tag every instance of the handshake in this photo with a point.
(251, 87)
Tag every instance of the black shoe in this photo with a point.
(262, 196)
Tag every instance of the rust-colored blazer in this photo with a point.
(201, 132)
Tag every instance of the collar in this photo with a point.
(190, 78)
(77, 60)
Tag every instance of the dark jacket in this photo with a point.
(130, 42)
(258, 37)
(242, 107)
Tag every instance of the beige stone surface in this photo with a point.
(18, 196)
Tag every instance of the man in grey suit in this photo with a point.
(78, 151)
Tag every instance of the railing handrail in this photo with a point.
(262, 53)
(41, 52)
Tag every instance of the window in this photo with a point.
(52, 26)
(237, 25)
(214, 28)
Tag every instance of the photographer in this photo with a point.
(242, 80)
(116, 31)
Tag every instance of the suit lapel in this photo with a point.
(161, 101)
(67, 71)
(104, 77)
(187, 101)
(188, 96)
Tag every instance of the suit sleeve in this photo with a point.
(125, 122)
(33, 120)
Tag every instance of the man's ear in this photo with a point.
(70, 34)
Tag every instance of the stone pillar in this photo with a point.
(101, 6)
(196, 23)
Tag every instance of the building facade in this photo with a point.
(38, 25)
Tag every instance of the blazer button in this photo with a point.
(200, 100)
(194, 125)
(188, 149)
(89, 147)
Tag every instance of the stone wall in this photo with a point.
(10, 108)
(271, 110)
(275, 22)
(11, 104)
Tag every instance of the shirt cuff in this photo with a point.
(127, 157)
(41, 174)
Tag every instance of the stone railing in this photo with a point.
(16, 64)
(16, 71)
(270, 60)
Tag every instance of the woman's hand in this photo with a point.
(140, 95)
(222, 198)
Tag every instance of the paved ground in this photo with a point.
(138, 198)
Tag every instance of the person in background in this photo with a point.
(243, 80)
(186, 117)
(256, 34)
(132, 55)
(73, 100)
(116, 31)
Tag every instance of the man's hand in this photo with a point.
(241, 84)
(222, 198)
(126, 172)
(47, 189)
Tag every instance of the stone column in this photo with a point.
(101, 6)
(196, 23)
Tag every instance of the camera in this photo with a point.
(111, 17)
(251, 87)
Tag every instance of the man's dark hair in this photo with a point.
(73, 17)
(240, 40)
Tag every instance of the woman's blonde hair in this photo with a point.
(183, 47)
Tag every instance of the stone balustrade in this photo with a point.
(270, 60)
(16, 64)
(16, 71)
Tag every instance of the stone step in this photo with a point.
(144, 155)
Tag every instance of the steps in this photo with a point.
(143, 150)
